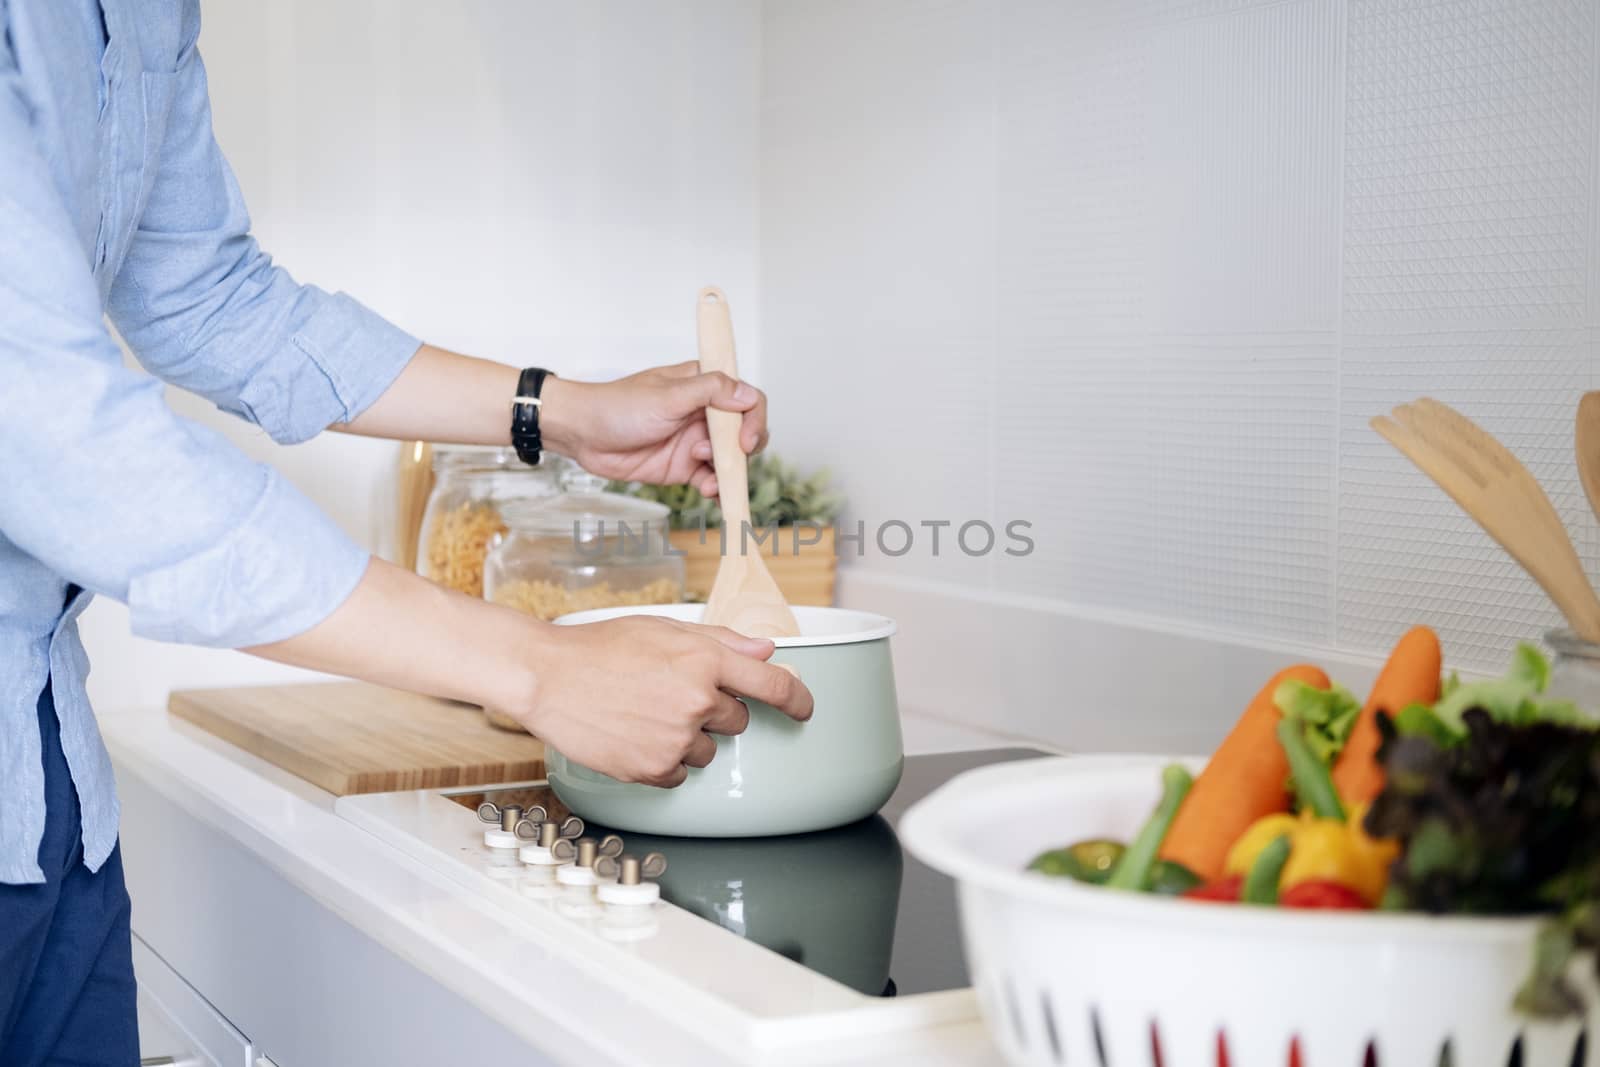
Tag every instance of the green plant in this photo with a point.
(779, 496)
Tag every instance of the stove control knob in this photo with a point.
(627, 905)
(539, 836)
(580, 857)
(502, 832)
(630, 890)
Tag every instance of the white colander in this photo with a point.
(1075, 974)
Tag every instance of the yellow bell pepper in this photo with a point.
(1326, 850)
(1320, 850)
(1261, 833)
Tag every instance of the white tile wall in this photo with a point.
(1153, 267)
(1242, 173)
(1240, 514)
(879, 185)
(1469, 160)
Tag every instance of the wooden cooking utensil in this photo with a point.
(744, 597)
(1588, 438)
(413, 483)
(1494, 487)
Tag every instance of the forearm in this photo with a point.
(403, 631)
(648, 427)
(633, 698)
(447, 397)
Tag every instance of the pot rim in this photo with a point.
(836, 626)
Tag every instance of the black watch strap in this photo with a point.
(525, 437)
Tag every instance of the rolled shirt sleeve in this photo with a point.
(252, 586)
(102, 482)
(112, 490)
(203, 307)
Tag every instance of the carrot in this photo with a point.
(1410, 677)
(1245, 779)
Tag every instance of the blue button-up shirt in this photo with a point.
(114, 200)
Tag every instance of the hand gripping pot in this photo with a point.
(779, 776)
(1079, 974)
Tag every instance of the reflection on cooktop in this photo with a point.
(827, 900)
(847, 903)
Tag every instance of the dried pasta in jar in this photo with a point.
(547, 600)
(458, 542)
(585, 549)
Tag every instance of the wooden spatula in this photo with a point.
(1588, 438)
(744, 596)
(1493, 487)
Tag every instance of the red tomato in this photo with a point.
(1223, 889)
(1321, 895)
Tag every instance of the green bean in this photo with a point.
(1261, 884)
(1133, 869)
(1312, 782)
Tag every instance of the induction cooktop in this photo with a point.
(811, 941)
(848, 903)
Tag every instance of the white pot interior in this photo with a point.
(818, 626)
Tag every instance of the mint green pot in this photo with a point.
(779, 776)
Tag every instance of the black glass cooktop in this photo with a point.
(848, 903)
(927, 944)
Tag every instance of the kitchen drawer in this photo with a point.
(176, 1022)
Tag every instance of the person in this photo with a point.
(116, 201)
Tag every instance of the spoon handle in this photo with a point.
(715, 324)
(1588, 442)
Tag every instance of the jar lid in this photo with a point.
(585, 515)
(1567, 643)
(472, 458)
(475, 459)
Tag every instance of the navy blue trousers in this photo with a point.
(66, 958)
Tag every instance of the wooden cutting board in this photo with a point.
(350, 737)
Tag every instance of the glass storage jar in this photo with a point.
(1575, 673)
(473, 485)
(586, 548)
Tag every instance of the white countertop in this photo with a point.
(457, 937)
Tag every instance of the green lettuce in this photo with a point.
(1515, 699)
(1419, 720)
(1327, 715)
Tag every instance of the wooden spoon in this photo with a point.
(1494, 487)
(744, 596)
(1588, 437)
(413, 483)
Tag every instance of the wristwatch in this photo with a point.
(525, 436)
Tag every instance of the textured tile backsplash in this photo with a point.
(1469, 150)
(1140, 272)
